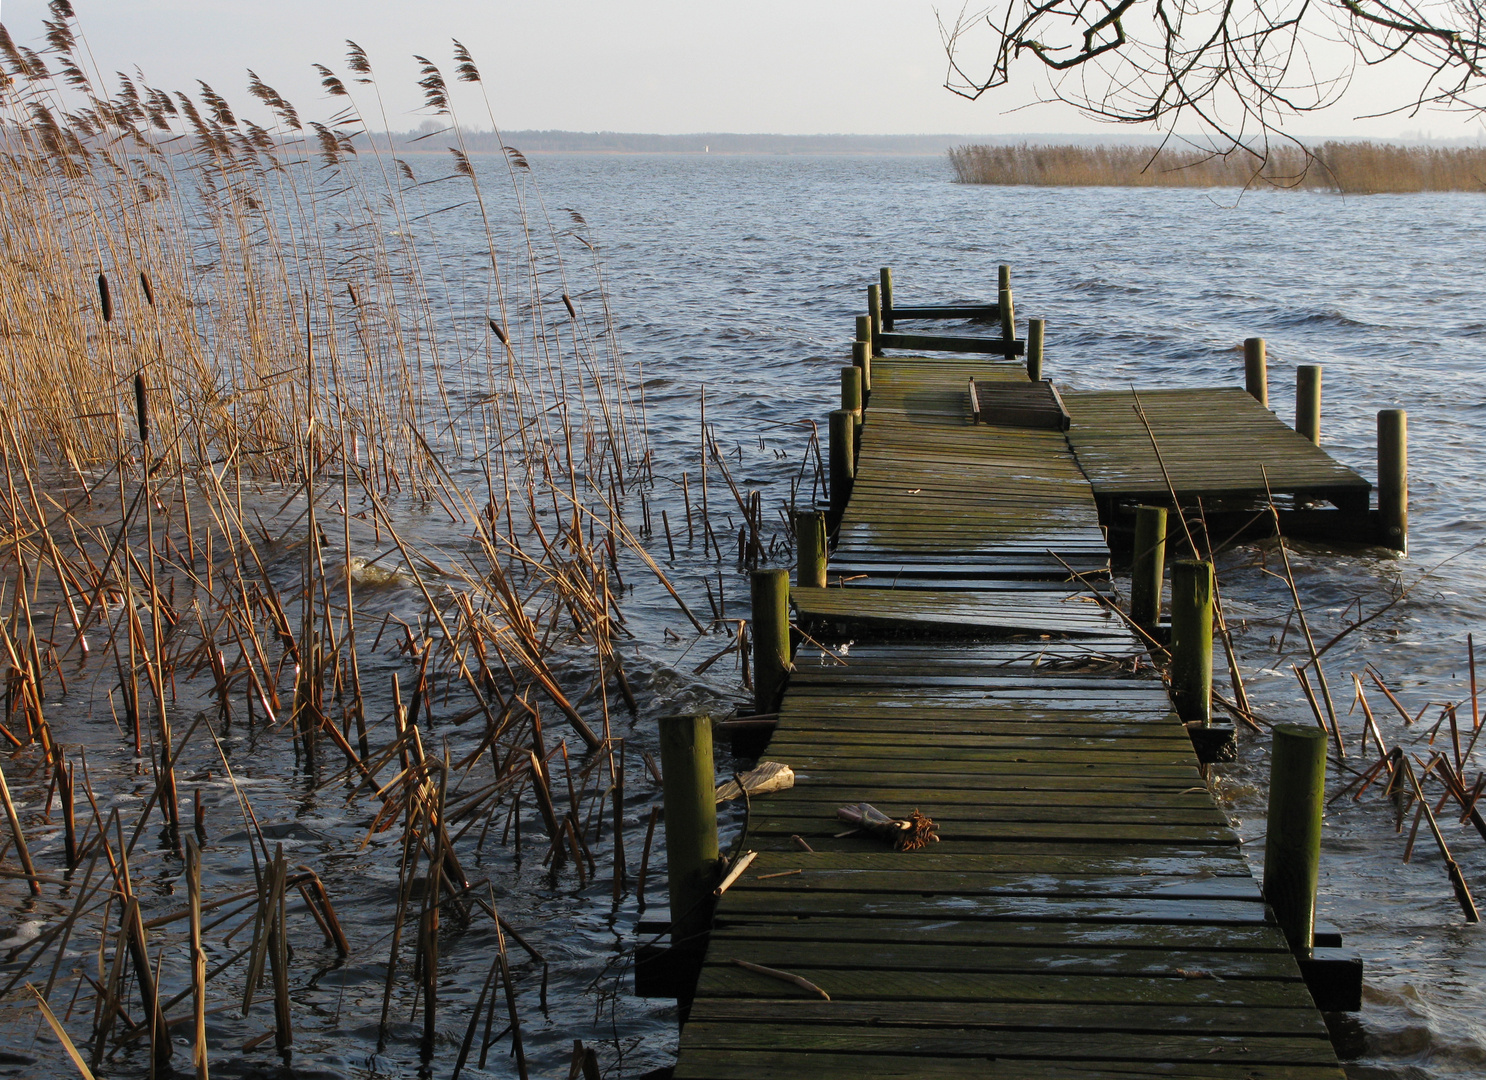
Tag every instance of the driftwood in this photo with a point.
(767, 776)
(915, 832)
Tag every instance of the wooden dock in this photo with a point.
(1086, 912)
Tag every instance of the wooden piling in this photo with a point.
(861, 359)
(1308, 401)
(1292, 848)
(1192, 640)
(691, 823)
(874, 309)
(864, 333)
(1148, 567)
(1008, 311)
(1003, 277)
(810, 549)
(771, 646)
(842, 461)
(1255, 373)
(851, 389)
(886, 296)
(1393, 478)
(1035, 330)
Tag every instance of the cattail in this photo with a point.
(499, 331)
(105, 299)
(350, 289)
(141, 407)
(568, 303)
(144, 284)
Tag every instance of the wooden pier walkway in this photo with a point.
(1087, 912)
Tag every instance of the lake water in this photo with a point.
(745, 273)
(737, 279)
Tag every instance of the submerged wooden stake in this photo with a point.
(1308, 401)
(1192, 640)
(1255, 375)
(1292, 846)
(691, 823)
(1393, 478)
(771, 644)
(1148, 567)
(810, 549)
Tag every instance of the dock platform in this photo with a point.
(1087, 912)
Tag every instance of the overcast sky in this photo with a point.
(665, 66)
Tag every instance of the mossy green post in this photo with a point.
(810, 549)
(1308, 401)
(1393, 478)
(851, 401)
(1292, 845)
(886, 295)
(842, 464)
(1003, 277)
(1035, 330)
(769, 590)
(688, 791)
(1192, 640)
(1148, 568)
(861, 358)
(1255, 372)
(864, 333)
(874, 308)
(1008, 314)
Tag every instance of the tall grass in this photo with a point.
(1348, 167)
(298, 438)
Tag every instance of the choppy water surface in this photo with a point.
(738, 278)
(745, 273)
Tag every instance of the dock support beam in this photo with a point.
(1192, 640)
(1393, 478)
(1308, 401)
(810, 549)
(771, 645)
(842, 429)
(1147, 570)
(885, 294)
(1292, 845)
(1255, 373)
(688, 792)
(1035, 330)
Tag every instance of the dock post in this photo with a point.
(1003, 277)
(861, 358)
(1192, 640)
(688, 793)
(1308, 401)
(1035, 329)
(810, 549)
(842, 461)
(1255, 375)
(1008, 314)
(885, 294)
(1148, 567)
(874, 308)
(771, 647)
(1292, 845)
(864, 333)
(851, 400)
(1393, 477)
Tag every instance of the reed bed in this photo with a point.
(286, 449)
(1354, 168)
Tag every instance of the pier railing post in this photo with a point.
(1255, 373)
(886, 296)
(689, 795)
(769, 591)
(1192, 640)
(1393, 477)
(842, 463)
(1308, 401)
(1292, 846)
(810, 549)
(1148, 567)
(1035, 330)
(874, 308)
(864, 334)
